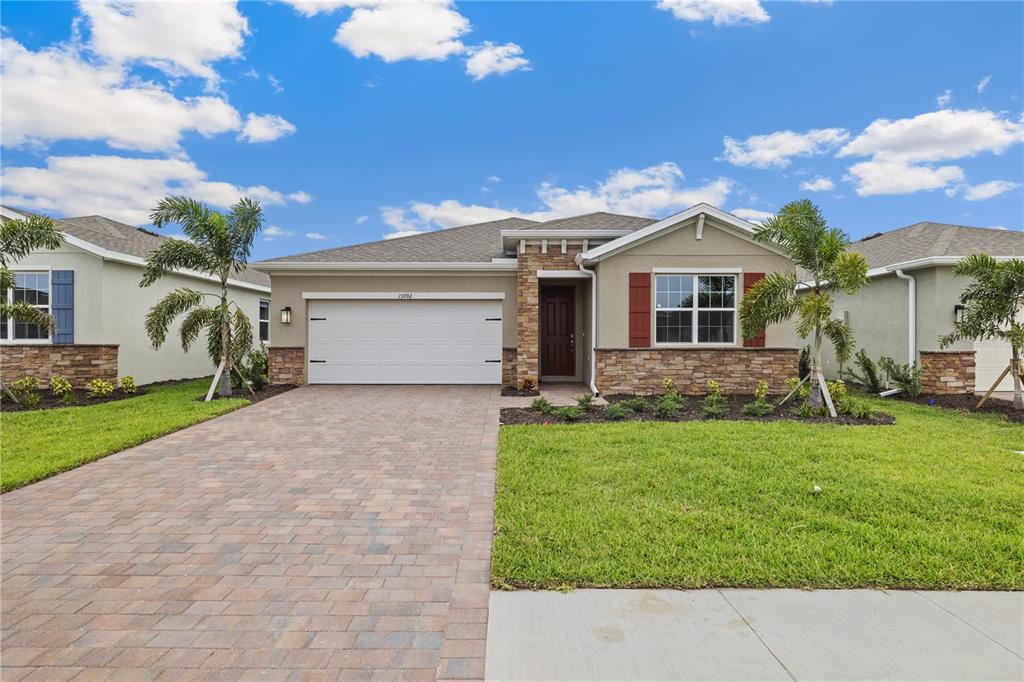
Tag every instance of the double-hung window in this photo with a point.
(695, 308)
(32, 288)
(264, 320)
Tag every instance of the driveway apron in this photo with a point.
(330, 532)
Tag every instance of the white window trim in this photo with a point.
(696, 309)
(260, 320)
(9, 340)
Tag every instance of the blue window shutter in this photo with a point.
(62, 287)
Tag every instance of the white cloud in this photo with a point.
(944, 99)
(493, 179)
(818, 184)
(779, 148)
(395, 31)
(152, 32)
(987, 190)
(899, 177)
(316, 236)
(274, 231)
(55, 94)
(652, 191)
(362, 219)
(121, 188)
(300, 197)
(719, 12)
(403, 233)
(275, 84)
(265, 128)
(752, 214)
(487, 59)
(898, 148)
(309, 8)
(983, 84)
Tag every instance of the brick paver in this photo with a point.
(331, 532)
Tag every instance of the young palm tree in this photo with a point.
(19, 238)
(800, 231)
(993, 309)
(216, 244)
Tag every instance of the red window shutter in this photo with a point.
(639, 309)
(749, 280)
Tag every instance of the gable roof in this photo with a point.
(114, 238)
(936, 240)
(477, 243)
(731, 223)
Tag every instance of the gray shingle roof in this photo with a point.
(596, 221)
(477, 243)
(134, 241)
(923, 240)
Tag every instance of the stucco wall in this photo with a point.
(288, 288)
(125, 305)
(680, 248)
(879, 313)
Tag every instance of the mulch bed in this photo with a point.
(262, 394)
(48, 401)
(513, 392)
(966, 403)
(692, 410)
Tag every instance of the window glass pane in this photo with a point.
(728, 292)
(29, 331)
(674, 326)
(715, 326)
(264, 331)
(32, 287)
(716, 291)
(673, 291)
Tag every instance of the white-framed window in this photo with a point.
(32, 288)
(264, 319)
(695, 309)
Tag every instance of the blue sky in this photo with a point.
(352, 124)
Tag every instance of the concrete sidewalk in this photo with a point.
(755, 635)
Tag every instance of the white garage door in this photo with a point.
(405, 341)
(990, 359)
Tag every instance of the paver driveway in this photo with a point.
(328, 532)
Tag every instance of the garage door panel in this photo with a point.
(417, 341)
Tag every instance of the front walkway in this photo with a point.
(339, 530)
(756, 635)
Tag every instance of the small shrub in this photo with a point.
(840, 396)
(127, 384)
(569, 413)
(669, 386)
(791, 384)
(761, 390)
(859, 409)
(758, 408)
(542, 405)
(637, 404)
(26, 391)
(806, 410)
(615, 411)
(251, 370)
(869, 375)
(804, 362)
(98, 388)
(528, 384)
(668, 405)
(585, 401)
(61, 388)
(906, 377)
(714, 401)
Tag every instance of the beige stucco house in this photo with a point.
(618, 302)
(91, 286)
(913, 298)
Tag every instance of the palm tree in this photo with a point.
(19, 238)
(993, 309)
(215, 244)
(801, 232)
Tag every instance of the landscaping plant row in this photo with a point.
(671, 406)
(25, 393)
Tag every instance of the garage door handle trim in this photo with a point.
(318, 319)
(317, 361)
(492, 360)
(492, 319)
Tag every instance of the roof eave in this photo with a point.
(496, 265)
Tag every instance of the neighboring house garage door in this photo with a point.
(990, 359)
(405, 340)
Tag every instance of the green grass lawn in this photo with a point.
(41, 443)
(935, 501)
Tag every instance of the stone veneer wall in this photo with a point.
(79, 363)
(947, 372)
(528, 301)
(641, 370)
(508, 366)
(286, 365)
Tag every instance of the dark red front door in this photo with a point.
(557, 331)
